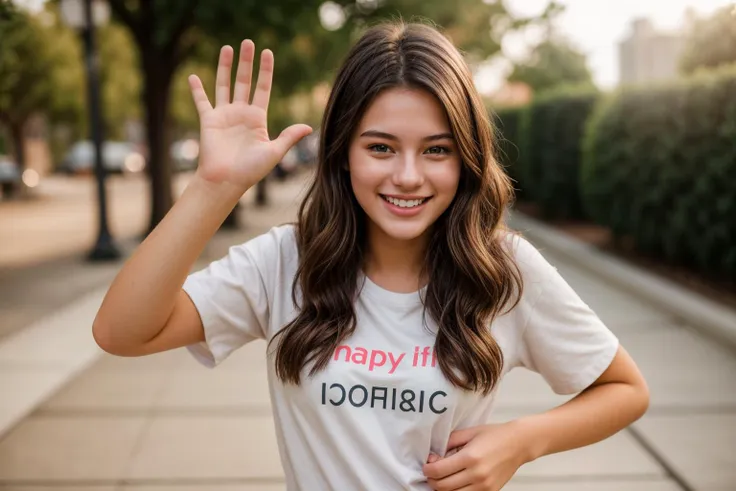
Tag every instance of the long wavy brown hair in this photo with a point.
(471, 272)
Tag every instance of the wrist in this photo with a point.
(217, 191)
(209, 202)
(530, 437)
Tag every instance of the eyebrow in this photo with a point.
(389, 136)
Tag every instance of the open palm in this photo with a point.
(234, 142)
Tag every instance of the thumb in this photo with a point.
(460, 438)
(433, 457)
(289, 137)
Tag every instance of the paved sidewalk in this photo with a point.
(163, 423)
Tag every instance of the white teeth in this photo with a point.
(403, 203)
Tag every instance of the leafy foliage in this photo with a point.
(507, 122)
(712, 41)
(25, 65)
(660, 167)
(552, 131)
(552, 64)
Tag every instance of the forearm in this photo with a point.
(592, 416)
(143, 294)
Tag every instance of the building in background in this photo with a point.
(649, 55)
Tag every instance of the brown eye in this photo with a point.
(438, 150)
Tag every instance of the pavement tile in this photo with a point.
(58, 448)
(612, 485)
(698, 446)
(166, 362)
(63, 338)
(37, 361)
(106, 390)
(215, 388)
(207, 487)
(683, 368)
(512, 486)
(201, 447)
(17, 398)
(12, 487)
(619, 455)
(522, 389)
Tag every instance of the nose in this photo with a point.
(408, 173)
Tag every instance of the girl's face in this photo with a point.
(404, 163)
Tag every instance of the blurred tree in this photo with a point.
(170, 32)
(711, 41)
(45, 56)
(552, 63)
(183, 115)
(65, 115)
(26, 76)
(120, 79)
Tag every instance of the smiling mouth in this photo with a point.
(405, 203)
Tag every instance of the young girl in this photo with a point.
(397, 302)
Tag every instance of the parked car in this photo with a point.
(184, 154)
(118, 157)
(9, 173)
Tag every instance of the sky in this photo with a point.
(595, 27)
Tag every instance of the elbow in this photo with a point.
(105, 338)
(641, 399)
(645, 399)
(102, 337)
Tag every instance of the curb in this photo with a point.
(698, 311)
(41, 358)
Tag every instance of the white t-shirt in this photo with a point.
(372, 417)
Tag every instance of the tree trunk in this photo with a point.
(262, 192)
(13, 189)
(231, 221)
(156, 97)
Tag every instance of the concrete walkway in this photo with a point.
(163, 423)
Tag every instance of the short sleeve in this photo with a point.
(563, 339)
(232, 299)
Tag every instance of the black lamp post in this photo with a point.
(80, 15)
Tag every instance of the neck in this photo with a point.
(394, 264)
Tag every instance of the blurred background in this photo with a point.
(616, 121)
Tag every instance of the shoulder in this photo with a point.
(535, 269)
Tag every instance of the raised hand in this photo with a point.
(234, 142)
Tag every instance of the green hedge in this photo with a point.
(660, 167)
(552, 130)
(507, 149)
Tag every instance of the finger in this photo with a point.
(433, 458)
(222, 81)
(445, 467)
(265, 76)
(201, 102)
(245, 72)
(454, 482)
(289, 137)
